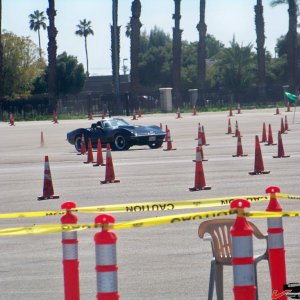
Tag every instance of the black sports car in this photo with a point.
(118, 133)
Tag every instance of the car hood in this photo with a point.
(143, 130)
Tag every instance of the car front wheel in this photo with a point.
(120, 143)
(77, 143)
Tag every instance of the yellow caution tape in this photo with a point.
(56, 228)
(287, 196)
(139, 207)
(271, 214)
(53, 228)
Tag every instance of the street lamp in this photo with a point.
(125, 68)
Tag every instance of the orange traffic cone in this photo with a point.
(99, 161)
(200, 183)
(282, 128)
(139, 113)
(204, 137)
(134, 115)
(229, 130)
(239, 149)
(90, 158)
(166, 133)
(109, 170)
(90, 116)
(178, 114)
(277, 111)
(11, 120)
(258, 162)
(83, 147)
(239, 109)
(199, 132)
(286, 125)
(48, 192)
(42, 143)
(55, 117)
(270, 137)
(264, 134)
(201, 151)
(194, 111)
(237, 132)
(288, 108)
(230, 112)
(169, 142)
(280, 151)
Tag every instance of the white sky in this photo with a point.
(224, 18)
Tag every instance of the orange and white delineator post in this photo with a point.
(106, 260)
(276, 251)
(70, 255)
(242, 254)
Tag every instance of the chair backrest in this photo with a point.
(219, 231)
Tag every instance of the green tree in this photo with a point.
(84, 30)
(21, 65)
(70, 76)
(36, 22)
(235, 68)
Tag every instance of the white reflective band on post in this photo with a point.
(274, 222)
(72, 235)
(106, 255)
(243, 275)
(70, 251)
(275, 241)
(242, 246)
(107, 282)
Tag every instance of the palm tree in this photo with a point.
(260, 42)
(202, 48)
(36, 22)
(85, 29)
(52, 48)
(236, 66)
(176, 68)
(135, 26)
(291, 42)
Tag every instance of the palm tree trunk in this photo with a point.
(52, 48)
(202, 50)
(260, 41)
(86, 56)
(292, 46)
(176, 68)
(134, 52)
(115, 52)
(40, 49)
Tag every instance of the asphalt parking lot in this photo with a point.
(159, 262)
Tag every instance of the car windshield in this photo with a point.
(114, 123)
